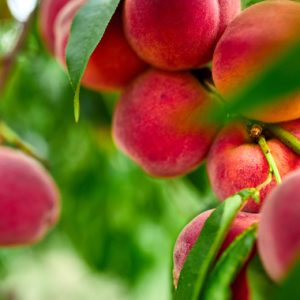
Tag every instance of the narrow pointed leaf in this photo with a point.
(87, 30)
(229, 265)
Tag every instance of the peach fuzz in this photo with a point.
(159, 123)
(29, 199)
(177, 34)
(48, 11)
(236, 162)
(279, 230)
(112, 65)
(189, 236)
(249, 44)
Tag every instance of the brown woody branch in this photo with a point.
(8, 61)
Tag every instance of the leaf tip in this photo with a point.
(77, 104)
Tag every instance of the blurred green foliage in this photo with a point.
(261, 285)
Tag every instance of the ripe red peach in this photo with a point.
(48, 12)
(236, 162)
(279, 229)
(159, 122)
(113, 63)
(189, 236)
(249, 44)
(178, 34)
(29, 199)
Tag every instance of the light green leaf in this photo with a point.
(229, 265)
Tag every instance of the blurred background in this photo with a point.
(118, 226)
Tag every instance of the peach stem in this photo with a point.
(269, 157)
(286, 137)
(266, 182)
(9, 59)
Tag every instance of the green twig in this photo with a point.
(9, 60)
(266, 182)
(214, 92)
(10, 137)
(285, 136)
(269, 157)
(282, 134)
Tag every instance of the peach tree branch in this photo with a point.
(8, 61)
(269, 157)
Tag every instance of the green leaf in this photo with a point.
(87, 30)
(290, 289)
(277, 81)
(247, 3)
(260, 284)
(229, 265)
(205, 250)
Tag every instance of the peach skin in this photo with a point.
(177, 34)
(29, 199)
(249, 44)
(160, 123)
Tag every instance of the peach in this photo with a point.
(159, 123)
(48, 12)
(249, 44)
(29, 199)
(178, 34)
(279, 229)
(189, 236)
(236, 162)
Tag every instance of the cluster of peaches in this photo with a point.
(150, 51)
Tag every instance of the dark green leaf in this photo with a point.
(207, 246)
(260, 284)
(229, 265)
(87, 30)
